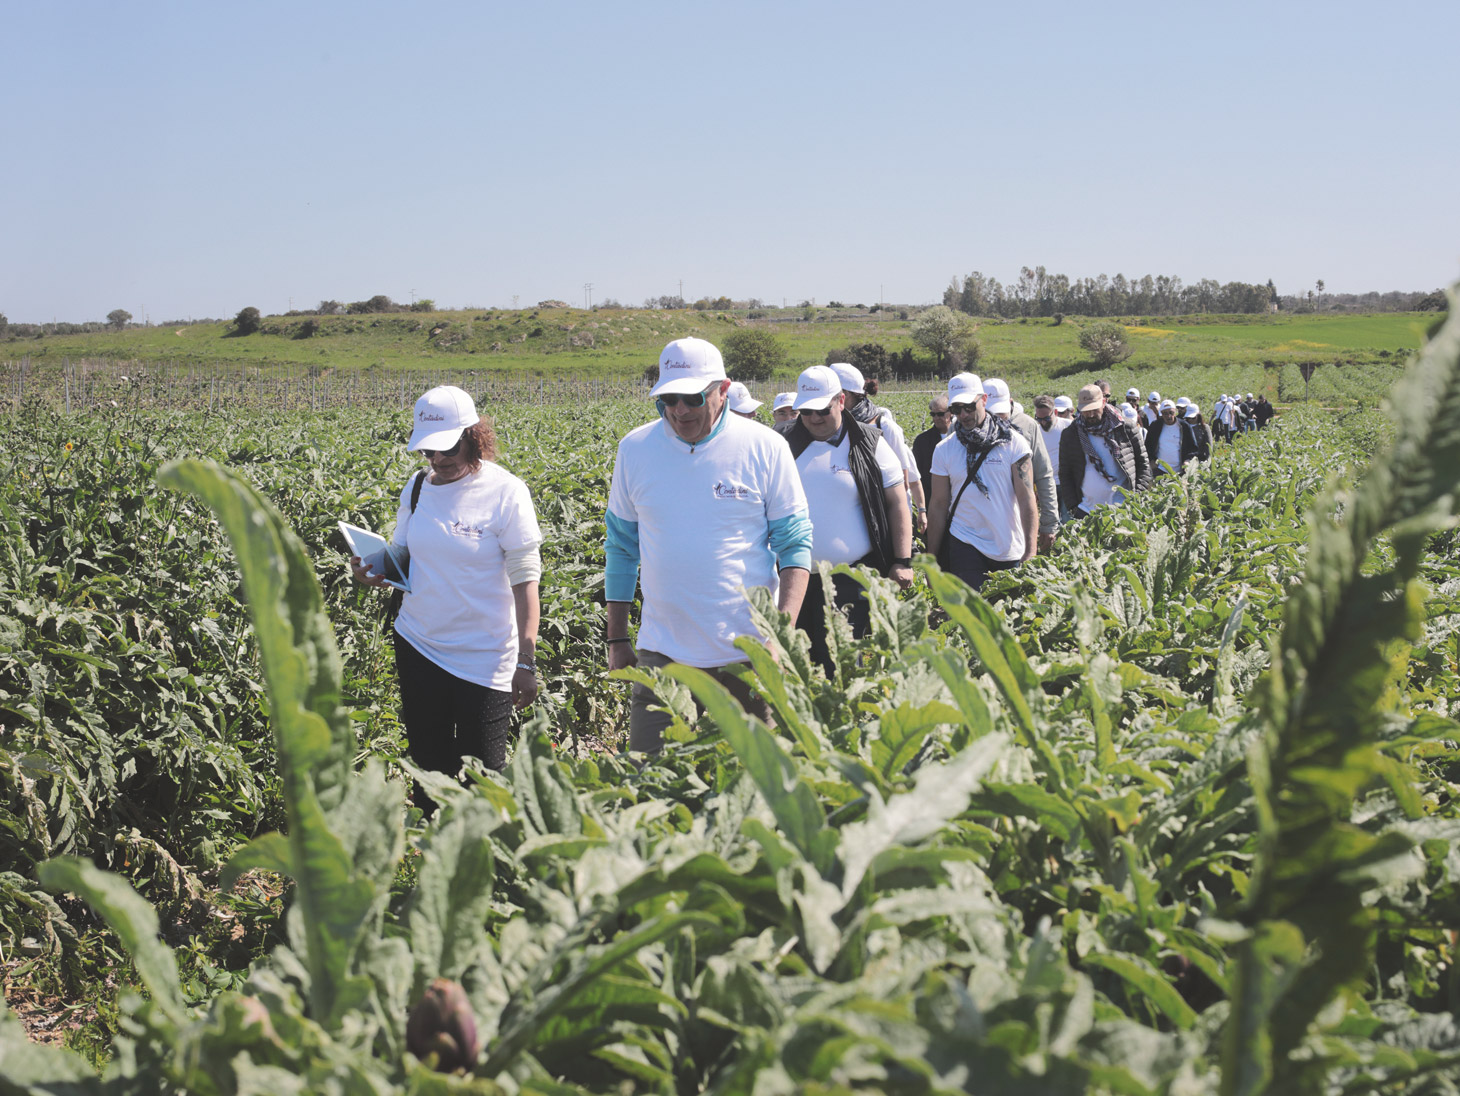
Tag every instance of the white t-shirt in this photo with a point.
(1095, 489)
(1052, 443)
(991, 524)
(839, 528)
(1168, 449)
(1150, 415)
(459, 613)
(704, 519)
(892, 434)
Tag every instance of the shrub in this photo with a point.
(247, 321)
(753, 354)
(870, 358)
(330, 308)
(118, 318)
(378, 303)
(425, 304)
(1105, 343)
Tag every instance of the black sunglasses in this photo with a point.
(694, 399)
(818, 414)
(959, 408)
(429, 453)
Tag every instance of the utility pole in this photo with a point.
(587, 295)
(681, 289)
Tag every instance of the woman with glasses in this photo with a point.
(466, 634)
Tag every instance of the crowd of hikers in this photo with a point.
(707, 501)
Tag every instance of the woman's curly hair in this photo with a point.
(479, 443)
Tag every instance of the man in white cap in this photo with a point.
(983, 490)
(1064, 408)
(1100, 459)
(859, 515)
(865, 411)
(1153, 408)
(1000, 403)
(701, 506)
(742, 402)
(1204, 441)
(1222, 419)
(784, 409)
(1133, 397)
(1171, 442)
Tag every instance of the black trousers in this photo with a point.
(847, 594)
(971, 565)
(446, 717)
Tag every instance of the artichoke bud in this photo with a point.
(442, 1024)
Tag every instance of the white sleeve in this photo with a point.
(895, 438)
(888, 464)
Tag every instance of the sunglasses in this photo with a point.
(959, 408)
(455, 449)
(694, 399)
(816, 414)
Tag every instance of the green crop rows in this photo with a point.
(1172, 810)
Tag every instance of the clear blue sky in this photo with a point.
(188, 159)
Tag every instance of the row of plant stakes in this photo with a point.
(1171, 810)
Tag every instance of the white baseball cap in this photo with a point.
(964, 388)
(741, 400)
(687, 366)
(851, 377)
(1250, 396)
(441, 415)
(783, 399)
(1183, 401)
(816, 388)
(1192, 410)
(1154, 397)
(1064, 403)
(1168, 405)
(1132, 393)
(997, 390)
(1128, 412)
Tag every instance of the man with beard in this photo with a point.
(995, 525)
(1100, 459)
(1001, 404)
(924, 444)
(1172, 441)
(859, 516)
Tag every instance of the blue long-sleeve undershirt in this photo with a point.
(790, 540)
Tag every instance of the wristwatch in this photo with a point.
(902, 561)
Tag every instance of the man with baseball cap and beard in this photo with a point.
(1100, 458)
(995, 524)
(703, 505)
(854, 488)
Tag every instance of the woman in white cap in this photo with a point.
(783, 410)
(466, 634)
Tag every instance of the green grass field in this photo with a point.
(618, 344)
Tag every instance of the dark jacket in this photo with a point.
(1263, 412)
(862, 456)
(1193, 446)
(922, 449)
(1130, 454)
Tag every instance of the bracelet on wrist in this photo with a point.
(902, 561)
(619, 639)
(530, 667)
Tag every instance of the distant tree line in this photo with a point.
(1036, 292)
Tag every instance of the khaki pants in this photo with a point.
(646, 728)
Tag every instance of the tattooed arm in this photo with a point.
(1025, 504)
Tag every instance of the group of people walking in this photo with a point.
(705, 502)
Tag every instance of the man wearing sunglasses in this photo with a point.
(703, 505)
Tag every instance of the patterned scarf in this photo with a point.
(865, 411)
(1104, 430)
(978, 441)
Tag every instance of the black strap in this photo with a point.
(393, 603)
(977, 464)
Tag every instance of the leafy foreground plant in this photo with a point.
(925, 880)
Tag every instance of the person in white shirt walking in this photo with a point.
(854, 490)
(983, 489)
(702, 505)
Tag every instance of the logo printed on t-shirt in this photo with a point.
(836, 468)
(459, 528)
(725, 490)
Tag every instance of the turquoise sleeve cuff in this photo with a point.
(620, 558)
(790, 540)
